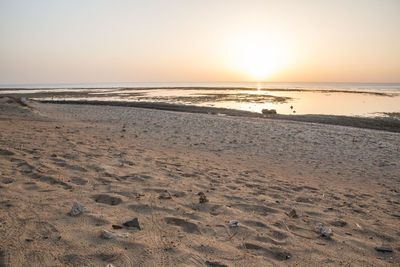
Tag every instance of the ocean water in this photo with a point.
(350, 99)
(386, 87)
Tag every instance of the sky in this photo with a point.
(86, 41)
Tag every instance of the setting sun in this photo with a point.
(258, 56)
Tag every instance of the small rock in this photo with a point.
(110, 265)
(268, 111)
(116, 226)
(384, 249)
(202, 197)
(292, 214)
(323, 231)
(77, 208)
(106, 234)
(132, 223)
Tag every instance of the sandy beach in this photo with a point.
(206, 189)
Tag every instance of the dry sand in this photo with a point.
(123, 163)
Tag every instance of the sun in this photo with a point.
(257, 56)
(258, 62)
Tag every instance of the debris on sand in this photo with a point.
(202, 197)
(77, 208)
(132, 223)
(215, 264)
(384, 249)
(268, 111)
(322, 230)
(233, 223)
(292, 214)
(166, 195)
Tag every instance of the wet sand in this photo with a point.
(185, 176)
(390, 123)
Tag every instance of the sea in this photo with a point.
(348, 99)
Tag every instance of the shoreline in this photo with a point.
(309, 90)
(377, 123)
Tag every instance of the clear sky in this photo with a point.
(78, 41)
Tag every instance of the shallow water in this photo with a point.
(368, 100)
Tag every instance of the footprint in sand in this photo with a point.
(74, 260)
(4, 152)
(78, 181)
(186, 226)
(2, 259)
(279, 235)
(262, 210)
(49, 180)
(6, 180)
(276, 253)
(255, 223)
(147, 209)
(266, 239)
(30, 186)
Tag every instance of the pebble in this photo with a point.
(106, 234)
(132, 223)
